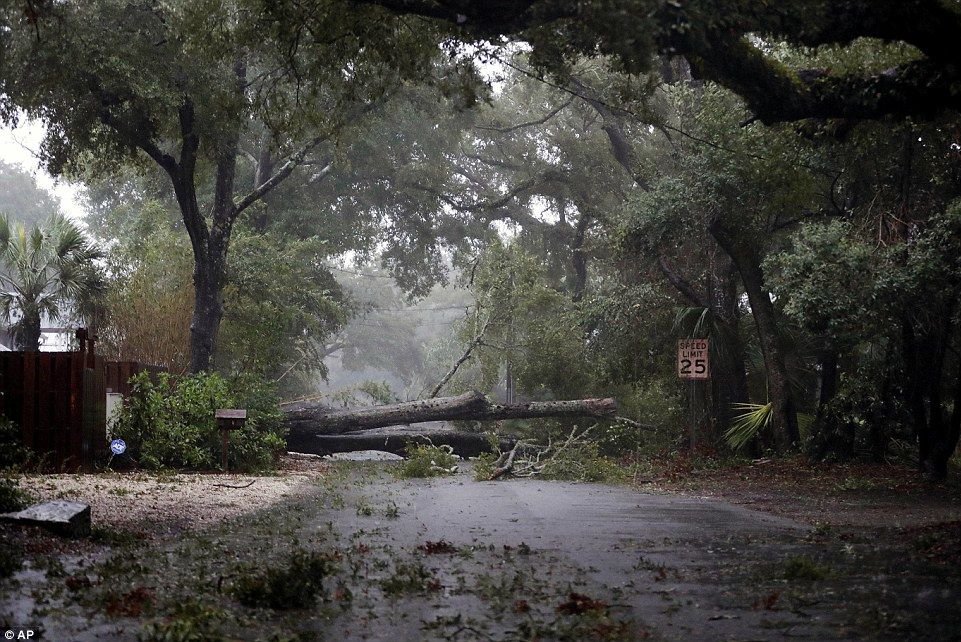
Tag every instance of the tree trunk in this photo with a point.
(729, 378)
(395, 440)
(826, 432)
(303, 419)
(579, 258)
(937, 431)
(747, 262)
(209, 277)
(28, 332)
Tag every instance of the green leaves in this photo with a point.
(170, 423)
(49, 270)
(749, 424)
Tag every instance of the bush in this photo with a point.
(171, 423)
(293, 586)
(425, 460)
(12, 497)
(12, 451)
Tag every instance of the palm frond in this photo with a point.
(746, 426)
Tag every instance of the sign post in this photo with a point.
(693, 364)
(228, 419)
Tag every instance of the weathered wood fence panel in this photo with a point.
(44, 393)
(59, 401)
(120, 372)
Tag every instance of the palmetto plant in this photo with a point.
(753, 419)
(45, 271)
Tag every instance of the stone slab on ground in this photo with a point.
(61, 516)
(364, 455)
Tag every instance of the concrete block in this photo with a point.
(64, 517)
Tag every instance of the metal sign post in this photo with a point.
(693, 364)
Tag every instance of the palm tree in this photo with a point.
(47, 270)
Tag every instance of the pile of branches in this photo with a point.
(529, 459)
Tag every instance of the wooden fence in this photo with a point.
(59, 400)
(119, 373)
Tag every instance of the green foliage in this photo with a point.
(190, 622)
(656, 403)
(22, 198)
(44, 272)
(526, 323)
(11, 557)
(583, 463)
(749, 424)
(828, 301)
(13, 452)
(754, 420)
(484, 465)
(171, 423)
(149, 298)
(12, 497)
(282, 306)
(374, 392)
(294, 585)
(805, 569)
(427, 460)
(408, 577)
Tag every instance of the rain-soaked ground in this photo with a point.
(456, 559)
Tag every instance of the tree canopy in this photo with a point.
(734, 43)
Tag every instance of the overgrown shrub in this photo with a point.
(804, 568)
(171, 423)
(12, 451)
(12, 497)
(294, 585)
(426, 460)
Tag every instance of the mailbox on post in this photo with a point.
(228, 419)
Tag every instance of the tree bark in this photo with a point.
(395, 440)
(28, 335)
(313, 420)
(938, 431)
(747, 262)
(729, 381)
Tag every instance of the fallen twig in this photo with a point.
(247, 485)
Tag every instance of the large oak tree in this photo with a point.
(181, 84)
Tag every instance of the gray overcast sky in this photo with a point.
(18, 146)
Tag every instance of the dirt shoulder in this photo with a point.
(149, 505)
(828, 495)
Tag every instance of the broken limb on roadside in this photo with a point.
(311, 419)
(314, 428)
(526, 459)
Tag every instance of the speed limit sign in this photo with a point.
(692, 359)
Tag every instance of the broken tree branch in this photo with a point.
(304, 420)
(467, 354)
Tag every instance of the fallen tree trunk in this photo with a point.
(396, 440)
(302, 419)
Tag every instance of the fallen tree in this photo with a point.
(313, 419)
(313, 428)
(397, 439)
